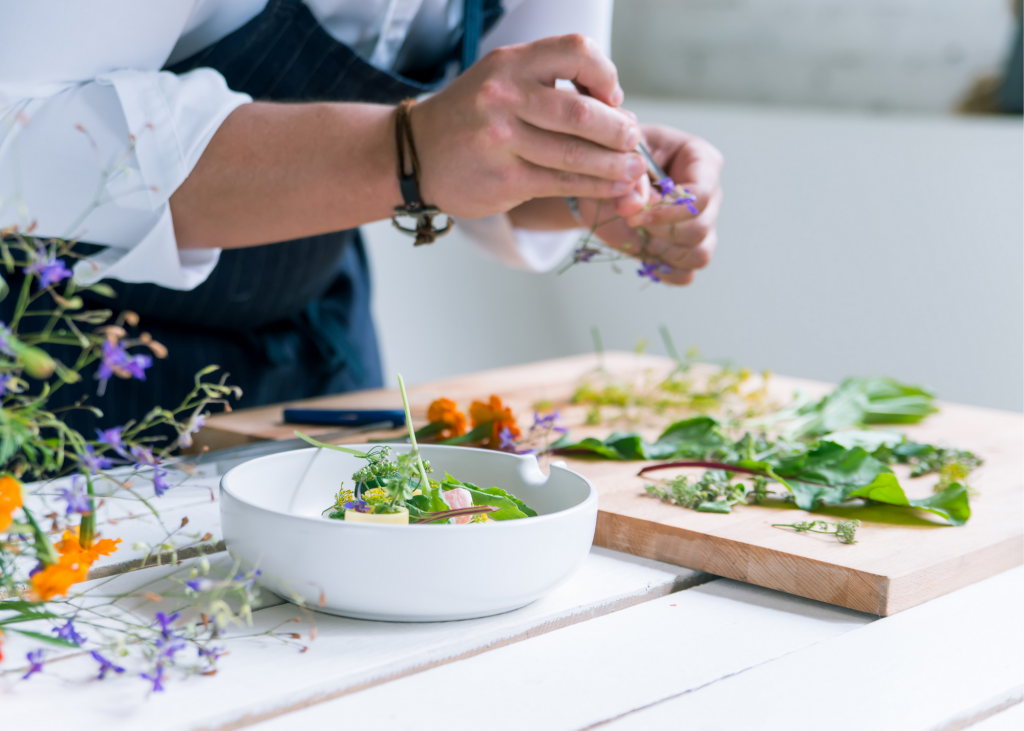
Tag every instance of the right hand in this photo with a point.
(502, 134)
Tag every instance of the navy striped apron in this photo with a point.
(289, 320)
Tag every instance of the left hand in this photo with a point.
(678, 239)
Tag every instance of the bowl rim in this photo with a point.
(586, 505)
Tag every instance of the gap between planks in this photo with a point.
(680, 584)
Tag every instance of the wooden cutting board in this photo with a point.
(902, 558)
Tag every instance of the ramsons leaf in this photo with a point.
(952, 503)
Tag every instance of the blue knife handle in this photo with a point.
(341, 417)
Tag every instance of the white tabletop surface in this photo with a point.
(627, 643)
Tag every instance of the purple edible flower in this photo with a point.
(105, 665)
(200, 584)
(68, 633)
(5, 340)
(547, 421)
(144, 457)
(35, 659)
(211, 654)
(114, 359)
(76, 498)
(48, 268)
(194, 424)
(93, 462)
(651, 270)
(156, 678)
(165, 623)
(688, 199)
(167, 648)
(667, 186)
(360, 506)
(585, 254)
(251, 580)
(507, 442)
(112, 438)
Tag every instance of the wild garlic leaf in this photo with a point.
(952, 503)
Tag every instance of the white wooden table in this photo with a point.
(627, 643)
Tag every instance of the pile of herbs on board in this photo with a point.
(818, 452)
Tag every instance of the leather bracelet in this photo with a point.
(409, 183)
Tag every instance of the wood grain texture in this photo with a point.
(902, 558)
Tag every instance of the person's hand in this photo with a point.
(678, 239)
(502, 134)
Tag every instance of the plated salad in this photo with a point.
(397, 488)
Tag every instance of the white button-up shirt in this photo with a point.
(80, 79)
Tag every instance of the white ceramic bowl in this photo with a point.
(406, 573)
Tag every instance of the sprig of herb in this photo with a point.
(845, 531)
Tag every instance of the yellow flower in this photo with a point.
(498, 416)
(445, 411)
(374, 496)
(10, 500)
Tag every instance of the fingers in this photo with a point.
(576, 155)
(635, 200)
(676, 225)
(578, 59)
(568, 112)
(547, 183)
(697, 167)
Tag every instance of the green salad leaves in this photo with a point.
(813, 459)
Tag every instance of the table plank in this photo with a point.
(587, 673)
(942, 665)
(262, 678)
(1011, 719)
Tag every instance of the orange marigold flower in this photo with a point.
(57, 578)
(10, 500)
(498, 416)
(445, 411)
(70, 546)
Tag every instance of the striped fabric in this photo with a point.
(287, 320)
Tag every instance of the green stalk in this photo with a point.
(412, 438)
(44, 549)
(87, 529)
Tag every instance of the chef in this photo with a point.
(219, 156)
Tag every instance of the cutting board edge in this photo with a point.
(914, 588)
(807, 577)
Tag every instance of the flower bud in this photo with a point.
(36, 362)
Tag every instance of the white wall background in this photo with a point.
(877, 54)
(851, 244)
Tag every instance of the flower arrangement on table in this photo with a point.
(49, 537)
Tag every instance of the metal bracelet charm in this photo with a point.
(425, 231)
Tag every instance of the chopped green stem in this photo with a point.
(87, 531)
(425, 481)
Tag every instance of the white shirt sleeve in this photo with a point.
(526, 21)
(98, 161)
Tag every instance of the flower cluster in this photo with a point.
(35, 442)
(497, 419)
(445, 413)
(652, 268)
(56, 579)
